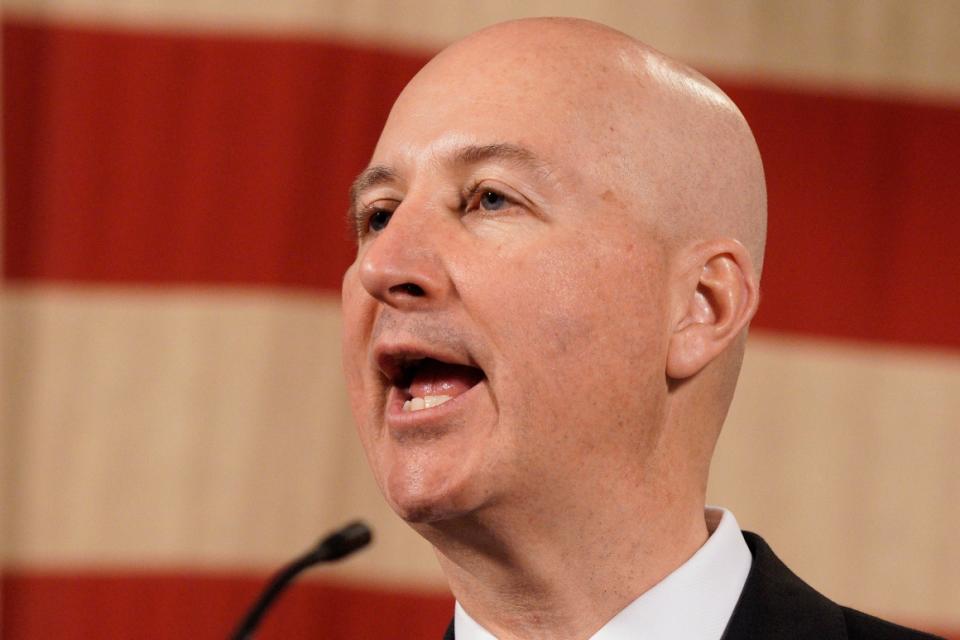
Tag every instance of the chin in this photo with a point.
(425, 512)
(421, 496)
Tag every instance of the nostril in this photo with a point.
(408, 288)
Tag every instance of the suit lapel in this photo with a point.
(775, 603)
(449, 634)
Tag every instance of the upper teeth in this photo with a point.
(426, 402)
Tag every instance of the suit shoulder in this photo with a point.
(862, 626)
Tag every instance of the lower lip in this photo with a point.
(398, 420)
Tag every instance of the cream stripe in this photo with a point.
(209, 429)
(202, 429)
(845, 459)
(881, 44)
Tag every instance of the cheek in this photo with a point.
(357, 317)
(350, 333)
(581, 333)
(357, 307)
(572, 298)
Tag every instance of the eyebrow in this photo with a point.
(513, 154)
(369, 178)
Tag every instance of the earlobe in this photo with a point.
(717, 298)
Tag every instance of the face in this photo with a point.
(504, 319)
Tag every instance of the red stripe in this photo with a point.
(864, 207)
(165, 159)
(161, 606)
(146, 158)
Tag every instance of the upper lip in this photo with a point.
(394, 360)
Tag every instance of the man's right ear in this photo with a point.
(716, 297)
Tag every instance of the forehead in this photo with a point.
(463, 103)
(448, 129)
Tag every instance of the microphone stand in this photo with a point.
(335, 546)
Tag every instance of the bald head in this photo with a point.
(665, 140)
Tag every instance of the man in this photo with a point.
(560, 238)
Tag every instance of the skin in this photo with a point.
(606, 296)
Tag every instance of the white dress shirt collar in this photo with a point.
(694, 602)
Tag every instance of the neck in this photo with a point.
(564, 575)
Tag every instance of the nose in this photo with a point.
(402, 265)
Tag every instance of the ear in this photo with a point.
(715, 298)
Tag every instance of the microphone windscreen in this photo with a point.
(345, 541)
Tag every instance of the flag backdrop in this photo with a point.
(173, 416)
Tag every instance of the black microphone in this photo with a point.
(335, 546)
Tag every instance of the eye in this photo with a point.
(484, 198)
(492, 201)
(378, 219)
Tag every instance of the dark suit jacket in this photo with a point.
(776, 604)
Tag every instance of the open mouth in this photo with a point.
(425, 383)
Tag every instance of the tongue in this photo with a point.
(434, 378)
